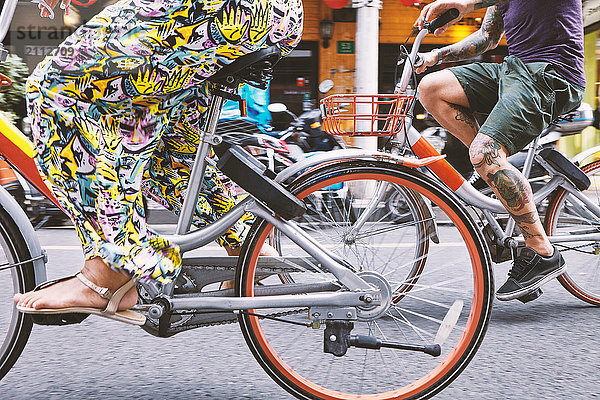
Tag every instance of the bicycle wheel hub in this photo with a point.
(370, 313)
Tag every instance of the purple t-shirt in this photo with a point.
(546, 31)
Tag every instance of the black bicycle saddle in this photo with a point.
(254, 68)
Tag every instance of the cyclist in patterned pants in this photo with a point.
(116, 111)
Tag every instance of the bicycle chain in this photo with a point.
(233, 268)
(233, 321)
(568, 248)
(190, 278)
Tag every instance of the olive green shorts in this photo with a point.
(520, 99)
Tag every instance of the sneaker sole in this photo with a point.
(532, 287)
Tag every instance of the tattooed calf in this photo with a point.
(527, 218)
(510, 188)
(527, 234)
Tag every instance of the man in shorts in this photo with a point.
(542, 77)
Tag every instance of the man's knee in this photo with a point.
(441, 86)
(430, 90)
(486, 153)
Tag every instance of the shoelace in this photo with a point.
(519, 268)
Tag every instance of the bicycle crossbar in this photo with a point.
(338, 299)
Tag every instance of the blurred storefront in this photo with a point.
(337, 51)
(335, 29)
(328, 49)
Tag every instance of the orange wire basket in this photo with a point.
(365, 114)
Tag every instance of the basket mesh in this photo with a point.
(365, 114)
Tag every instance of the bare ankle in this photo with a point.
(543, 249)
(97, 271)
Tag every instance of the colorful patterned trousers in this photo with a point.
(116, 112)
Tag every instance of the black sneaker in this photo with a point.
(530, 271)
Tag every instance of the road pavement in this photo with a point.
(546, 349)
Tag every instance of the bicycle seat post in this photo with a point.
(530, 156)
(254, 68)
(510, 226)
(207, 138)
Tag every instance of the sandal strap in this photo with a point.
(102, 291)
(115, 299)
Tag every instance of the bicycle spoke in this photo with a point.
(416, 329)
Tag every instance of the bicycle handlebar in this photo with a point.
(411, 62)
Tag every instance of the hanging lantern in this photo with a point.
(336, 3)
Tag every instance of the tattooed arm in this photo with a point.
(486, 38)
(464, 7)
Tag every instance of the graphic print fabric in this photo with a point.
(118, 107)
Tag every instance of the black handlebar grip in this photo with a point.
(442, 20)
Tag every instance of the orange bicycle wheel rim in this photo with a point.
(459, 350)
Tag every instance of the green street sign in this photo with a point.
(345, 47)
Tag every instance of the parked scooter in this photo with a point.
(304, 134)
(274, 153)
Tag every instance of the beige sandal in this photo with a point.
(127, 316)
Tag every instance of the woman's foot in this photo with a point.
(74, 293)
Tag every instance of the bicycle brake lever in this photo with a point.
(46, 6)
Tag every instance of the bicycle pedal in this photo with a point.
(530, 296)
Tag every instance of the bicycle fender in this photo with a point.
(351, 154)
(14, 210)
(431, 226)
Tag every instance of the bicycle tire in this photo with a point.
(564, 214)
(271, 351)
(15, 327)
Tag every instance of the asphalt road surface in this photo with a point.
(546, 349)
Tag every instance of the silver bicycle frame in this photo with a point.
(188, 239)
